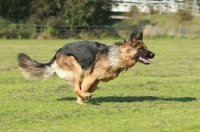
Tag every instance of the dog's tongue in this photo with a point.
(143, 60)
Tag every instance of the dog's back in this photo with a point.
(84, 53)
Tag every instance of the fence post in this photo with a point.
(198, 9)
(186, 5)
(160, 12)
(183, 32)
(34, 28)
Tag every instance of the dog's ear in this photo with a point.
(133, 38)
(140, 37)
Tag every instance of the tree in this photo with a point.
(73, 13)
(14, 10)
(86, 12)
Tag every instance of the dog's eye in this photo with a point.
(141, 48)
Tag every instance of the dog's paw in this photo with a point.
(79, 100)
(90, 96)
(86, 95)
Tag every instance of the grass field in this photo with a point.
(161, 97)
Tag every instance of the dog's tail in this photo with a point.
(34, 70)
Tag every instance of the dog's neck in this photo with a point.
(113, 57)
(116, 63)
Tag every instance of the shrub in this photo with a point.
(152, 10)
(184, 15)
(134, 12)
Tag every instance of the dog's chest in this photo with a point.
(110, 75)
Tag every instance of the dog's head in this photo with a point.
(142, 54)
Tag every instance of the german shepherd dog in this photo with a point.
(86, 63)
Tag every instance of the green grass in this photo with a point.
(160, 97)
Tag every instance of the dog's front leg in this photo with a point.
(88, 84)
(93, 87)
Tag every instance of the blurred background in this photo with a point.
(86, 19)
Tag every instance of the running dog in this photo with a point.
(86, 63)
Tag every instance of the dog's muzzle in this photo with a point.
(144, 58)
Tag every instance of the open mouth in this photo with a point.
(143, 60)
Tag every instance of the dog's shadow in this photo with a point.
(100, 100)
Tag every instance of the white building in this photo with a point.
(143, 5)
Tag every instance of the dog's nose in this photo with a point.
(152, 55)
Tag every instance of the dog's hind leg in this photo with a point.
(68, 68)
(76, 83)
